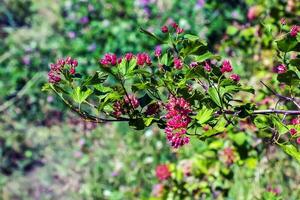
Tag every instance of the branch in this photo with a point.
(281, 96)
(264, 112)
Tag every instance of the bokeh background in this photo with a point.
(46, 152)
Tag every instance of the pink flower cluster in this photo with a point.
(280, 69)
(143, 58)
(124, 106)
(113, 60)
(157, 51)
(162, 172)
(109, 59)
(294, 30)
(235, 77)
(178, 64)
(56, 69)
(226, 67)
(207, 67)
(177, 121)
(176, 27)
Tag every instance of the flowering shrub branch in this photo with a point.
(184, 88)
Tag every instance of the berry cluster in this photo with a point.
(177, 121)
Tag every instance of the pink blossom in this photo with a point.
(179, 30)
(295, 121)
(298, 140)
(53, 77)
(164, 29)
(174, 25)
(293, 131)
(56, 69)
(109, 59)
(178, 63)
(157, 51)
(118, 109)
(162, 172)
(143, 58)
(235, 77)
(72, 70)
(280, 69)
(131, 100)
(129, 56)
(125, 105)
(207, 67)
(193, 64)
(177, 121)
(283, 21)
(226, 66)
(294, 30)
(74, 63)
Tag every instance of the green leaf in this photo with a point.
(80, 96)
(132, 64)
(193, 48)
(218, 128)
(46, 87)
(281, 127)
(123, 66)
(214, 96)
(261, 122)
(289, 78)
(239, 138)
(151, 35)
(232, 30)
(191, 37)
(148, 121)
(164, 59)
(288, 44)
(204, 57)
(97, 78)
(204, 115)
(291, 150)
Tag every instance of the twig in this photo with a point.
(281, 96)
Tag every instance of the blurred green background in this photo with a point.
(46, 152)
